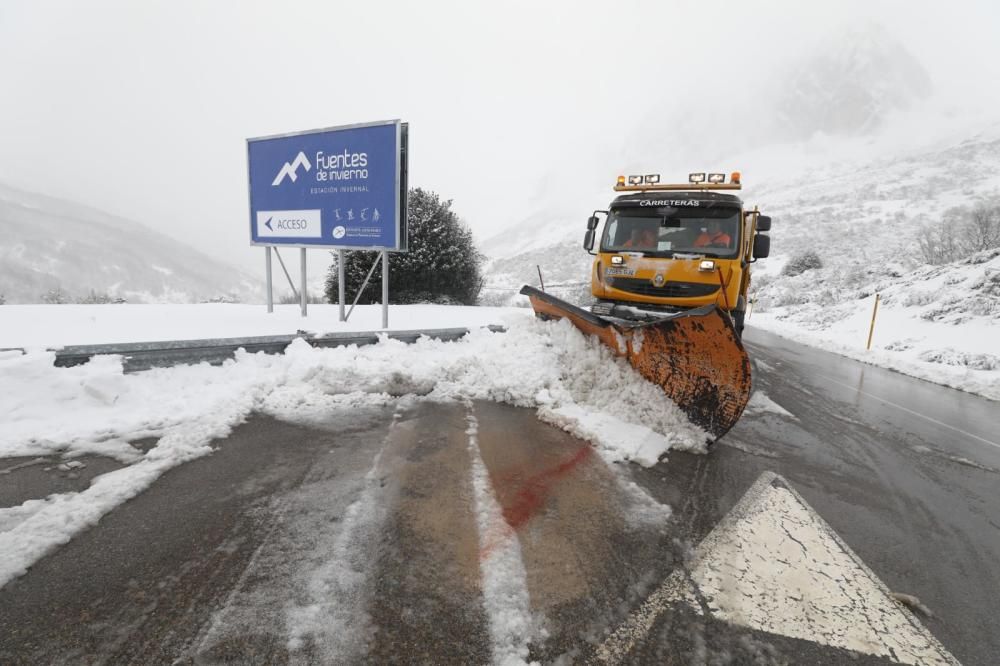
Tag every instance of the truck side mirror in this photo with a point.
(763, 223)
(588, 239)
(592, 222)
(761, 246)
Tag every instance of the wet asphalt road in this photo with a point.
(364, 538)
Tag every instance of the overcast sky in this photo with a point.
(142, 108)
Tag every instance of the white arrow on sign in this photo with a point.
(772, 564)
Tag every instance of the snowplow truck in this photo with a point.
(671, 277)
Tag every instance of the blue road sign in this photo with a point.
(341, 187)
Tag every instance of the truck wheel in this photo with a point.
(739, 316)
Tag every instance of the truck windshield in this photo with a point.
(713, 232)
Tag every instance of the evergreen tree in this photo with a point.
(441, 266)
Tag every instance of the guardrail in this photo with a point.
(145, 355)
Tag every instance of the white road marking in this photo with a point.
(505, 582)
(772, 564)
(910, 411)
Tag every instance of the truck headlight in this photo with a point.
(706, 265)
(616, 260)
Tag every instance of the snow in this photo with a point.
(53, 326)
(572, 380)
(329, 617)
(761, 403)
(942, 352)
(505, 581)
(37, 527)
(623, 440)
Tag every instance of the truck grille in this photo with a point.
(668, 290)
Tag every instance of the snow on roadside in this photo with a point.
(937, 323)
(96, 408)
(902, 341)
(37, 531)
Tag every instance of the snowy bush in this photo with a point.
(55, 297)
(788, 296)
(762, 281)
(802, 262)
(231, 298)
(961, 358)
(289, 298)
(983, 257)
(95, 298)
(441, 266)
(918, 298)
(988, 284)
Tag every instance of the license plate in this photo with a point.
(623, 271)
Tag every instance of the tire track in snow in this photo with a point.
(504, 579)
(331, 622)
(305, 593)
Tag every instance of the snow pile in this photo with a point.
(573, 381)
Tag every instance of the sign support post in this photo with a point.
(270, 290)
(385, 289)
(302, 287)
(341, 289)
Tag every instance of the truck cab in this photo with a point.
(668, 248)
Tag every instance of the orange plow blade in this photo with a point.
(694, 356)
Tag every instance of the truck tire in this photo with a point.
(739, 316)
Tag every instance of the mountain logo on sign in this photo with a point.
(290, 168)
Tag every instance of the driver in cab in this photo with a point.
(644, 238)
(713, 236)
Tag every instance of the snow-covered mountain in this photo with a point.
(48, 245)
(849, 87)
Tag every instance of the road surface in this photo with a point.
(474, 533)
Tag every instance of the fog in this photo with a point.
(142, 109)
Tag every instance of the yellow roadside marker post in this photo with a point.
(871, 329)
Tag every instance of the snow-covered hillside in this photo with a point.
(48, 245)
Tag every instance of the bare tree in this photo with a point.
(960, 232)
(982, 228)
